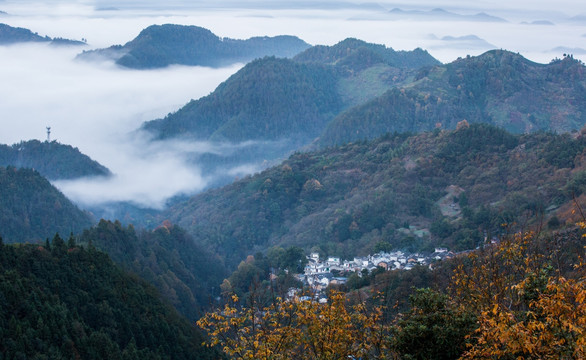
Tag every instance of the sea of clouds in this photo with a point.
(98, 107)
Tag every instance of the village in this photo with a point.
(319, 274)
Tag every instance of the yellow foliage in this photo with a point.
(299, 330)
(526, 310)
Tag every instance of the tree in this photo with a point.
(554, 326)
(525, 308)
(434, 328)
(298, 329)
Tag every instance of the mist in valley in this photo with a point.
(99, 107)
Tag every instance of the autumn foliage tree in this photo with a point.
(299, 329)
(527, 309)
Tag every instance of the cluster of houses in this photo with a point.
(319, 274)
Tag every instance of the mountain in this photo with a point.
(184, 273)
(356, 55)
(272, 99)
(12, 35)
(65, 301)
(443, 15)
(497, 87)
(466, 42)
(274, 106)
(53, 160)
(269, 99)
(31, 209)
(412, 192)
(367, 70)
(163, 45)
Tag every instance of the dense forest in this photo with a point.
(13, 35)
(53, 160)
(62, 301)
(269, 99)
(498, 87)
(273, 99)
(185, 274)
(163, 45)
(356, 55)
(273, 106)
(31, 209)
(413, 192)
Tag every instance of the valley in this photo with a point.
(233, 195)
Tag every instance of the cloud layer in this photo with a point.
(97, 106)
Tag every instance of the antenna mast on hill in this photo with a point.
(48, 134)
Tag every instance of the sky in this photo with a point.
(97, 106)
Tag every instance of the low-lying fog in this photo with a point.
(98, 106)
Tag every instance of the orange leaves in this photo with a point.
(555, 328)
(298, 330)
(526, 309)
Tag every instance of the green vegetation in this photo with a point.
(434, 327)
(274, 106)
(53, 160)
(13, 35)
(367, 70)
(356, 55)
(31, 209)
(498, 88)
(412, 192)
(269, 99)
(274, 270)
(61, 301)
(275, 99)
(184, 273)
(163, 45)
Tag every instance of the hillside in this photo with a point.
(63, 301)
(184, 273)
(272, 106)
(411, 192)
(498, 87)
(269, 99)
(13, 35)
(163, 45)
(356, 55)
(272, 99)
(53, 160)
(367, 70)
(31, 209)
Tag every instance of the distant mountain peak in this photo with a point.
(162, 45)
(444, 14)
(358, 54)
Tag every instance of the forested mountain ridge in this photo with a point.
(356, 55)
(163, 45)
(272, 99)
(184, 273)
(274, 106)
(64, 301)
(269, 99)
(31, 209)
(53, 160)
(13, 35)
(413, 192)
(497, 87)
